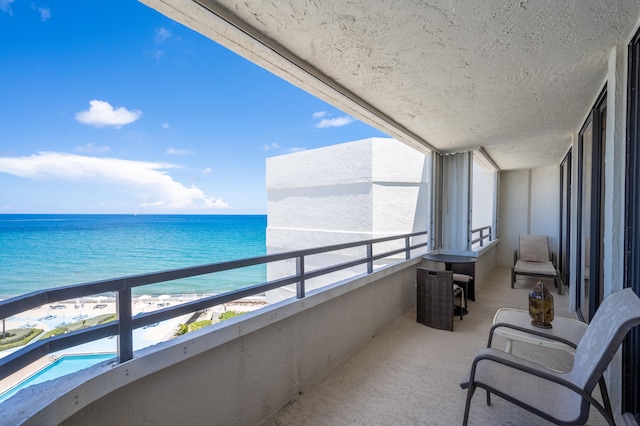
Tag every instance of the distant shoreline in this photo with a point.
(135, 214)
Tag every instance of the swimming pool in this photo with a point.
(64, 365)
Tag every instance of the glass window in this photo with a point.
(590, 210)
(484, 202)
(565, 218)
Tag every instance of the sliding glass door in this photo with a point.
(591, 180)
(565, 219)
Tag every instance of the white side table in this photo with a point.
(565, 328)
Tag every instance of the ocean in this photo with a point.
(40, 251)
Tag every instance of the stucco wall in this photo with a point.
(347, 188)
(545, 204)
(353, 191)
(514, 207)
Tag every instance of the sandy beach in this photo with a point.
(56, 314)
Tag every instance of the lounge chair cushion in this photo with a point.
(538, 268)
(534, 248)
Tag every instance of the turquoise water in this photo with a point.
(64, 365)
(45, 251)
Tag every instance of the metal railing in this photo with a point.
(483, 233)
(125, 323)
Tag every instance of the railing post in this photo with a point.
(407, 250)
(125, 338)
(369, 258)
(300, 274)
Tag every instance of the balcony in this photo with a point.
(350, 353)
(410, 374)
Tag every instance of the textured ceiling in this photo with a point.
(513, 77)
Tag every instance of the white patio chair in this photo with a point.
(562, 398)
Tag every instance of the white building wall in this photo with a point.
(514, 214)
(545, 204)
(342, 193)
(529, 204)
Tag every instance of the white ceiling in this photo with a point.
(516, 78)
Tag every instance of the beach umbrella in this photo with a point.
(142, 300)
(163, 298)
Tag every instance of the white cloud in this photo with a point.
(267, 147)
(5, 6)
(207, 171)
(162, 34)
(176, 151)
(319, 114)
(165, 125)
(156, 54)
(149, 181)
(101, 113)
(45, 12)
(334, 122)
(89, 147)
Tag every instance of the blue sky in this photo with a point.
(110, 107)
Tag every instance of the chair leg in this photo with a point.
(461, 308)
(467, 405)
(605, 396)
(513, 277)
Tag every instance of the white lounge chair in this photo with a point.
(534, 259)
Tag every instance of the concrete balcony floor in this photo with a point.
(409, 374)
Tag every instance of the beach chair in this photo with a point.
(534, 259)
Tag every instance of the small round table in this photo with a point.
(448, 259)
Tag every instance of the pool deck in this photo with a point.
(48, 318)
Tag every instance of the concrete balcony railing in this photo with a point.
(238, 372)
(242, 359)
